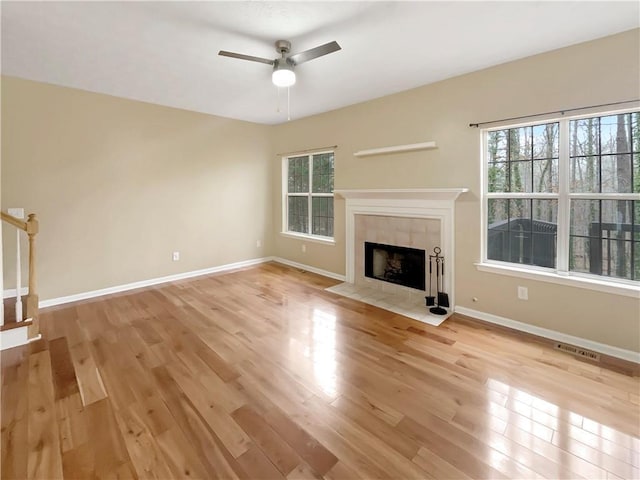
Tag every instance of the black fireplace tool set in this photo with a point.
(441, 299)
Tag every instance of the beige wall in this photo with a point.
(602, 71)
(119, 185)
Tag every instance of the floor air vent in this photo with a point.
(579, 352)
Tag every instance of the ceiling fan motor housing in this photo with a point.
(283, 46)
(280, 63)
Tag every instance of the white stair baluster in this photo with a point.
(18, 213)
(18, 280)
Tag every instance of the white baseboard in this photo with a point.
(11, 292)
(610, 350)
(15, 337)
(153, 281)
(308, 268)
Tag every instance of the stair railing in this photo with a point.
(30, 227)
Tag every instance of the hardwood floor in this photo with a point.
(261, 374)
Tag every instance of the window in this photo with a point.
(308, 192)
(564, 196)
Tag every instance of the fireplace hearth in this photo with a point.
(394, 264)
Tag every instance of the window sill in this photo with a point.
(310, 238)
(607, 286)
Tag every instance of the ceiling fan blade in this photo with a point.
(316, 52)
(245, 57)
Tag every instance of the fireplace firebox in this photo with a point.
(390, 263)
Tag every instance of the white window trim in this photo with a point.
(561, 275)
(589, 282)
(285, 204)
(310, 238)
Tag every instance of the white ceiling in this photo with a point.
(166, 52)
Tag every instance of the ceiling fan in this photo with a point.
(283, 68)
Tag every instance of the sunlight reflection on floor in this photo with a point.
(572, 441)
(323, 353)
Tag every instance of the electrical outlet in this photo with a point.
(304, 248)
(523, 293)
(258, 243)
(176, 256)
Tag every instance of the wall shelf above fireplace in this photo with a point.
(396, 149)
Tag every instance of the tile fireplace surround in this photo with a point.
(416, 218)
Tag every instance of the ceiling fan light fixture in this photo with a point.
(283, 75)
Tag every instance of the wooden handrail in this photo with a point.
(16, 222)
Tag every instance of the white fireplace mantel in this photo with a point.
(433, 203)
(450, 194)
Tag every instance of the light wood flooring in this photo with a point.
(262, 374)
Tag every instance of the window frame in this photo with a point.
(561, 273)
(310, 195)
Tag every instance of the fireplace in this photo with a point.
(419, 219)
(390, 263)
